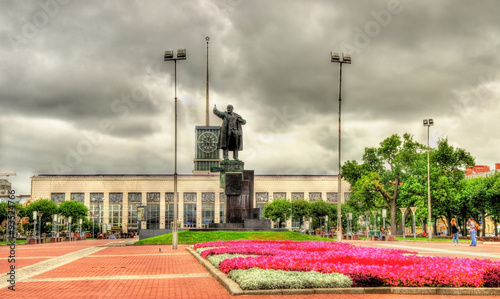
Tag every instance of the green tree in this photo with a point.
(300, 209)
(448, 165)
(376, 182)
(74, 209)
(278, 210)
(493, 204)
(45, 206)
(318, 210)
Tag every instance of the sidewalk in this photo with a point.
(109, 269)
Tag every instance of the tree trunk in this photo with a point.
(495, 226)
(393, 216)
(483, 232)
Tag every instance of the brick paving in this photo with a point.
(101, 269)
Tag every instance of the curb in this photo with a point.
(234, 289)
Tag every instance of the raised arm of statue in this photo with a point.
(217, 112)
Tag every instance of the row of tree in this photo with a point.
(48, 208)
(394, 175)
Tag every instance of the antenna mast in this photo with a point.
(207, 118)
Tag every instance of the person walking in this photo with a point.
(472, 227)
(454, 231)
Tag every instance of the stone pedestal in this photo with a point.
(238, 186)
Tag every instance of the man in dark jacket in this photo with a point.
(231, 133)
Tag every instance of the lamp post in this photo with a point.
(169, 56)
(374, 213)
(428, 123)
(367, 214)
(40, 214)
(403, 210)
(69, 226)
(54, 234)
(346, 58)
(384, 215)
(413, 209)
(80, 227)
(34, 225)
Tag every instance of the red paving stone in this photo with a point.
(127, 265)
(142, 249)
(146, 260)
(20, 263)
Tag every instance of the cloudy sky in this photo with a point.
(84, 88)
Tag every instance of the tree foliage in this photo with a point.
(45, 206)
(74, 209)
(394, 175)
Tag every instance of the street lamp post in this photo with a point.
(428, 123)
(367, 214)
(413, 209)
(374, 213)
(384, 214)
(54, 233)
(346, 58)
(34, 224)
(169, 56)
(40, 224)
(403, 210)
(69, 226)
(80, 227)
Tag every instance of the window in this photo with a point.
(190, 215)
(132, 218)
(115, 215)
(169, 215)
(207, 213)
(96, 215)
(153, 216)
(58, 197)
(222, 212)
(261, 207)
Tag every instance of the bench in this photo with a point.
(350, 237)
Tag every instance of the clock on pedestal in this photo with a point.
(207, 154)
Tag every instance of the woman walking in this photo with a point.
(472, 227)
(454, 231)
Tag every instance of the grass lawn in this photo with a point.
(194, 237)
(17, 242)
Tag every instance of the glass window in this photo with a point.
(132, 224)
(190, 215)
(115, 215)
(169, 215)
(261, 207)
(153, 216)
(222, 212)
(207, 213)
(96, 215)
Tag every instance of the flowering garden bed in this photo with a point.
(315, 264)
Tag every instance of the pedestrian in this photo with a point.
(472, 227)
(381, 236)
(454, 231)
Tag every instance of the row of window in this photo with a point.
(152, 217)
(206, 197)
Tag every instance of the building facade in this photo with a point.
(113, 200)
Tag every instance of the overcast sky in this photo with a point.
(84, 88)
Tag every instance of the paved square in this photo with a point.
(109, 269)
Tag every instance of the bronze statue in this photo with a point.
(231, 134)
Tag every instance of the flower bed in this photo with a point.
(364, 265)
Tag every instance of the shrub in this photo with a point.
(492, 277)
(260, 279)
(365, 280)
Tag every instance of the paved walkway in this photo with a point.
(109, 269)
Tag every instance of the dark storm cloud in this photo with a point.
(89, 78)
